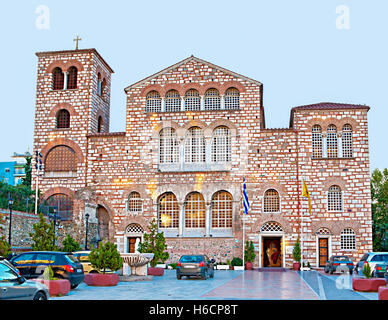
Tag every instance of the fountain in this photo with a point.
(137, 262)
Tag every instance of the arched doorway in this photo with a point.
(103, 224)
(271, 245)
(134, 236)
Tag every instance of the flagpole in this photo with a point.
(244, 242)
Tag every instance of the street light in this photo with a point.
(86, 233)
(10, 204)
(55, 224)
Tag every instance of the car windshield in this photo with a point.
(341, 258)
(194, 259)
(71, 258)
(83, 257)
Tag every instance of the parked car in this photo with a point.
(14, 286)
(339, 263)
(380, 269)
(195, 266)
(373, 258)
(83, 258)
(64, 265)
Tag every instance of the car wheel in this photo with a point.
(326, 271)
(73, 286)
(350, 272)
(331, 271)
(40, 296)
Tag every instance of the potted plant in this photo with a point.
(296, 253)
(107, 259)
(154, 242)
(237, 264)
(222, 266)
(249, 255)
(57, 287)
(368, 283)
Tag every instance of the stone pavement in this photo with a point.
(228, 285)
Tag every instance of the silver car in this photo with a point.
(15, 287)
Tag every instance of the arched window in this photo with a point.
(212, 100)
(173, 101)
(348, 239)
(332, 142)
(154, 102)
(168, 146)
(271, 226)
(195, 146)
(195, 211)
(63, 119)
(61, 159)
(232, 99)
(317, 141)
(63, 205)
(168, 211)
(72, 78)
(222, 210)
(347, 141)
(192, 100)
(271, 201)
(221, 145)
(100, 124)
(334, 199)
(58, 79)
(135, 202)
(99, 82)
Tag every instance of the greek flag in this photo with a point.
(245, 197)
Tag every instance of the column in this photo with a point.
(202, 103)
(324, 145)
(182, 104)
(181, 218)
(339, 136)
(208, 219)
(222, 102)
(66, 74)
(208, 151)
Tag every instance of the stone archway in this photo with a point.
(102, 223)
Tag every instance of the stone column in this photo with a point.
(202, 102)
(222, 101)
(66, 74)
(182, 104)
(324, 145)
(181, 218)
(208, 150)
(208, 218)
(339, 136)
(163, 105)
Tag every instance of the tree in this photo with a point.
(70, 245)
(296, 252)
(106, 257)
(43, 236)
(5, 248)
(379, 192)
(28, 170)
(154, 242)
(249, 251)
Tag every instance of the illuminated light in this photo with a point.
(199, 181)
(166, 220)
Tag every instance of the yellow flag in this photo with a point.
(306, 193)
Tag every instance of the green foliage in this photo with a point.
(367, 270)
(70, 245)
(5, 248)
(249, 253)
(23, 196)
(106, 257)
(296, 252)
(26, 181)
(43, 236)
(154, 242)
(379, 192)
(173, 265)
(48, 274)
(236, 262)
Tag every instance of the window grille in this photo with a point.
(317, 141)
(221, 145)
(232, 99)
(168, 211)
(135, 203)
(60, 159)
(192, 100)
(63, 119)
(195, 211)
(58, 79)
(63, 204)
(72, 78)
(212, 100)
(271, 226)
(347, 143)
(134, 228)
(195, 146)
(173, 101)
(348, 239)
(168, 146)
(271, 201)
(103, 89)
(332, 141)
(334, 201)
(154, 102)
(222, 210)
(323, 231)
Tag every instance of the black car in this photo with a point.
(339, 264)
(196, 266)
(64, 265)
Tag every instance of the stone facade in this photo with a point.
(110, 166)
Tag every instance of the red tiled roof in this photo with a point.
(331, 105)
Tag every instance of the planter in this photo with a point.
(239, 268)
(222, 267)
(248, 265)
(57, 288)
(383, 293)
(296, 266)
(155, 271)
(368, 285)
(101, 280)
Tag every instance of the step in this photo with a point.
(273, 269)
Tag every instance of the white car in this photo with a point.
(372, 258)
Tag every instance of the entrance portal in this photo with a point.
(272, 251)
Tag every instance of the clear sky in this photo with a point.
(299, 50)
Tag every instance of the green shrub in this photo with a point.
(70, 245)
(5, 248)
(237, 262)
(48, 274)
(106, 257)
(296, 252)
(173, 265)
(43, 237)
(249, 253)
(367, 270)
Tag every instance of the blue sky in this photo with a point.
(293, 47)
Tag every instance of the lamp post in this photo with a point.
(55, 224)
(86, 232)
(10, 204)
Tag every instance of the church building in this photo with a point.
(193, 132)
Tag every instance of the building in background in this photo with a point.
(13, 172)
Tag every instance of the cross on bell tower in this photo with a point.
(76, 40)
